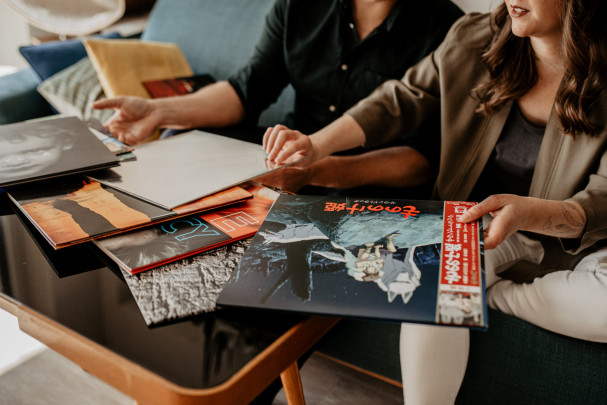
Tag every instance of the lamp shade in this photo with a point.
(69, 17)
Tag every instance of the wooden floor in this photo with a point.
(49, 379)
(326, 382)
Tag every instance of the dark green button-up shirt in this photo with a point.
(314, 46)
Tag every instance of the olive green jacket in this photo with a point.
(441, 84)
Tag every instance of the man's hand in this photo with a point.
(290, 178)
(134, 119)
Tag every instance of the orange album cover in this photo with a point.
(76, 209)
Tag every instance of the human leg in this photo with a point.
(434, 358)
(433, 362)
(569, 302)
(514, 249)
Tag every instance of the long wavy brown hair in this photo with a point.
(511, 64)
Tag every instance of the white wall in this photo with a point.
(477, 5)
(14, 32)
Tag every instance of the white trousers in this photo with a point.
(569, 302)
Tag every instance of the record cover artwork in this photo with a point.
(80, 258)
(152, 246)
(43, 149)
(176, 87)
(391, 260)
(177, 170)
(186, 287)
(75, 209)
(115, 146)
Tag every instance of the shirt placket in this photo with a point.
(343, 70)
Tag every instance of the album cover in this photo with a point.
(75, 209)
(41, 149)
(115, 146)
(166, 242)
(160, 292)
(177, 170)
(390, 260)
(178, 86)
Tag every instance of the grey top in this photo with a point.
(511, 165)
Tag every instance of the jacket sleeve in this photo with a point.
(593, 199)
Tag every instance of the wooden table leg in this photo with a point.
(291, 382)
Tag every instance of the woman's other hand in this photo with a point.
(511, 213)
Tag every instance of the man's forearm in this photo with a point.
(215, 105)
(391, 167)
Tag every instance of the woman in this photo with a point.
(522, 103)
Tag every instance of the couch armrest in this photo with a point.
(19, 99)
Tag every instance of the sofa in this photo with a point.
(513, 362)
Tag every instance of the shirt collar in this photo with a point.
(345, 7)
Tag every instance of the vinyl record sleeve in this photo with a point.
(178, 86)
(169, 241)
(41, 149)
(75, 209)
(381, 259)
(185, 167)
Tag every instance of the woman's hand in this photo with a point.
(134, 119)
(285, 145)
(511, 213)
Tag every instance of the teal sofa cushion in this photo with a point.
(199, 28)
(19, 99)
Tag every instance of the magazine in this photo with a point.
(75, 209)
(166, 242)
(390, 260)
(178, 86)
(35, 150)
(177, 170)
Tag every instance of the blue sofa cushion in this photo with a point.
(51, 57)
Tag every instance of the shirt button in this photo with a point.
(344, 67)
(332, 108)
(352, 25)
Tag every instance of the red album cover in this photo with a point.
(386, 259)
(153, 246)
(176, 87)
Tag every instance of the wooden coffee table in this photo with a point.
(91, 318)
